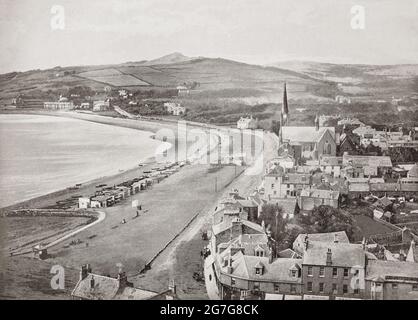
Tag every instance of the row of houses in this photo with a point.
(64, 104)
(241, 265)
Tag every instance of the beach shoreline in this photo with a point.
(87, 187)
(50, 198)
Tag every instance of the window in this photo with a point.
(293, 273)
(394, 286)
(276, 287)
(415, 287)
(232, 282)
(345, 288)
(321, 271)
(256, 286)
(210, 277)
(345, 272)
(310, 271)
(334, 288)
(272, 185)
(334, 272)
(321, 287)
(309, 287)
(356, 291)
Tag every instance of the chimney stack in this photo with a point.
(123, 279)
(335, 237)
(229, 268)
(85, 270)
(329, 257)
(172, 287)
(92, 282)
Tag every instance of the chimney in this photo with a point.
(306, 242)
(316, 123)
(329, 257)
(84, 271)
(363, 242)
(123, 279)
(335, 237)
(229, 268)
(92, 282)
(172, 287)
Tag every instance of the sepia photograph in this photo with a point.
(209, 150)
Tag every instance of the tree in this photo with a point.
(328, 219)
(272, 215)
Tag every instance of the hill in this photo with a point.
(174, 57)
(372, 81)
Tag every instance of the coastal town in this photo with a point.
(218, 158)
(333, 214)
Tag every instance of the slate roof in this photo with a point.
(372, 161)
(105, 288)
(324, 237)
(244, 266)
(385, 269)
(305, 134)
(248, 242)
(130, 293)
(108, 288)
(319, 193)
(226, 225)
(296, 178)
(330, 161)
(343, 254)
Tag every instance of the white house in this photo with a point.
(101, 105)
(247, 123)
(174, 108)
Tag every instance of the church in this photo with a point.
(310, 143)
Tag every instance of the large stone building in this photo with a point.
(310, 142)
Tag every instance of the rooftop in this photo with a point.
(371, 161)
(320, 193)
(387, 269)
(342, 254)
(305, 134)
(244, 266)
(226, 225)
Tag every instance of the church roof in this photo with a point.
(306, 134)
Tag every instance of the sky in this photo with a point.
(252, 31)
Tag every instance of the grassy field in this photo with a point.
(167, 208)
(24, 232)
(28, 278)
(113, 77)
(369, 227)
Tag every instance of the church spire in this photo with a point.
(285, 107)
(281, 129)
